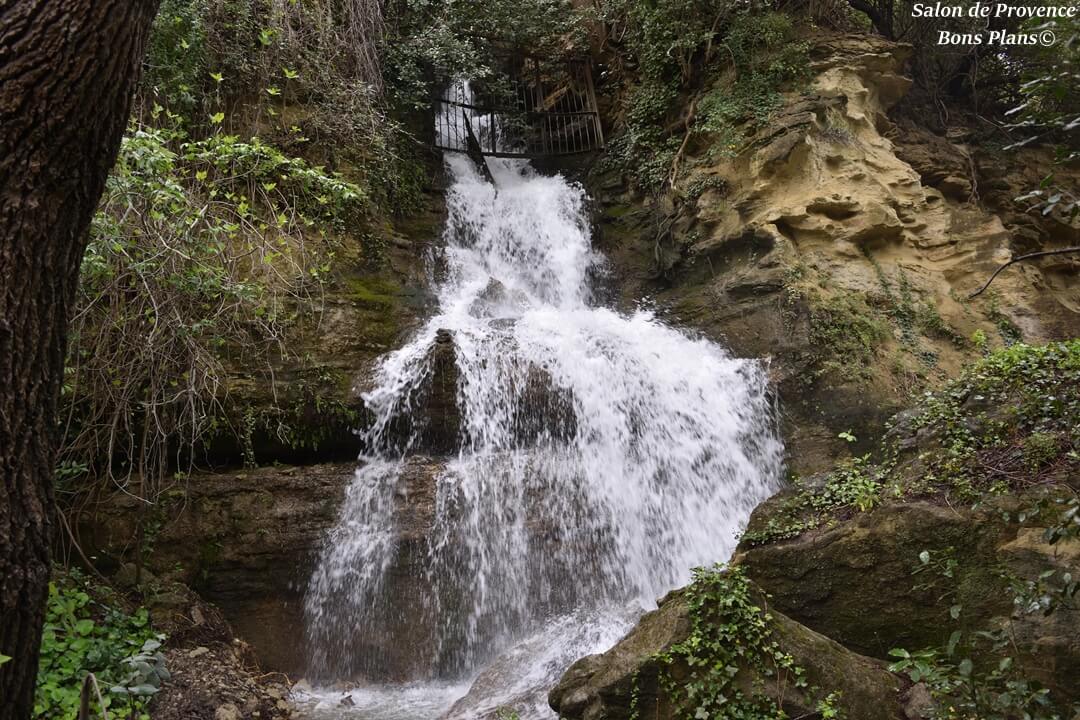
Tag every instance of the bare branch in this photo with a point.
(1029, 256)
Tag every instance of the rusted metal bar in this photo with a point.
(564, 122)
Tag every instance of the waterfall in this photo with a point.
(600, 457)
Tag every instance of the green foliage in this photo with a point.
(176, 60)
(292, 71)
(1040, 448)
(730, 633)
(1067, 526)
(856, 485)
(1047, 109)
(766, 60)
(672, 44)
(829, 708)
(87, 630)
(644, 149)
(434, 40)
(202, 251)
(1006, 423)
(665, 38)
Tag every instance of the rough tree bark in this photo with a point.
(68, 70)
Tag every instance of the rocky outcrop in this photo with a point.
(842, 244)
(244, 540)
(305, 404)
(247, 542)
(862, 582)
(623, 682)
(964, 526)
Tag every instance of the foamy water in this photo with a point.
(603, 455)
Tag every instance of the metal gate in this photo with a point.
(546, 112)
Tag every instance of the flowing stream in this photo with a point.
(600, 457)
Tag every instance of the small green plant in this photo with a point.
(978, 339)
(830, 709)
(1040, 448)
(855, 485)
(87, 630)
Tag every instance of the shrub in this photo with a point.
(201, 251)
(87, 630)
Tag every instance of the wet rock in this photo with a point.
(439, 412)
(434, 424)
(246, 541)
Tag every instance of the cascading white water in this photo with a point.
(602, 455)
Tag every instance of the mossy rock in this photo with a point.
(946, 526)
(854, 582)
(632, 681)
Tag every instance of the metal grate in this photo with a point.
(547, 112)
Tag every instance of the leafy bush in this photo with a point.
(201, 249)
(87, 630)
(1029, 438)
(766, 61)
(673, 45)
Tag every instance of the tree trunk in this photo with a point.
(68, 70)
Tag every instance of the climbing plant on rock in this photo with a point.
(730, 636)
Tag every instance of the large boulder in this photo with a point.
(626, 681)
(854, 581)
(864, 581)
